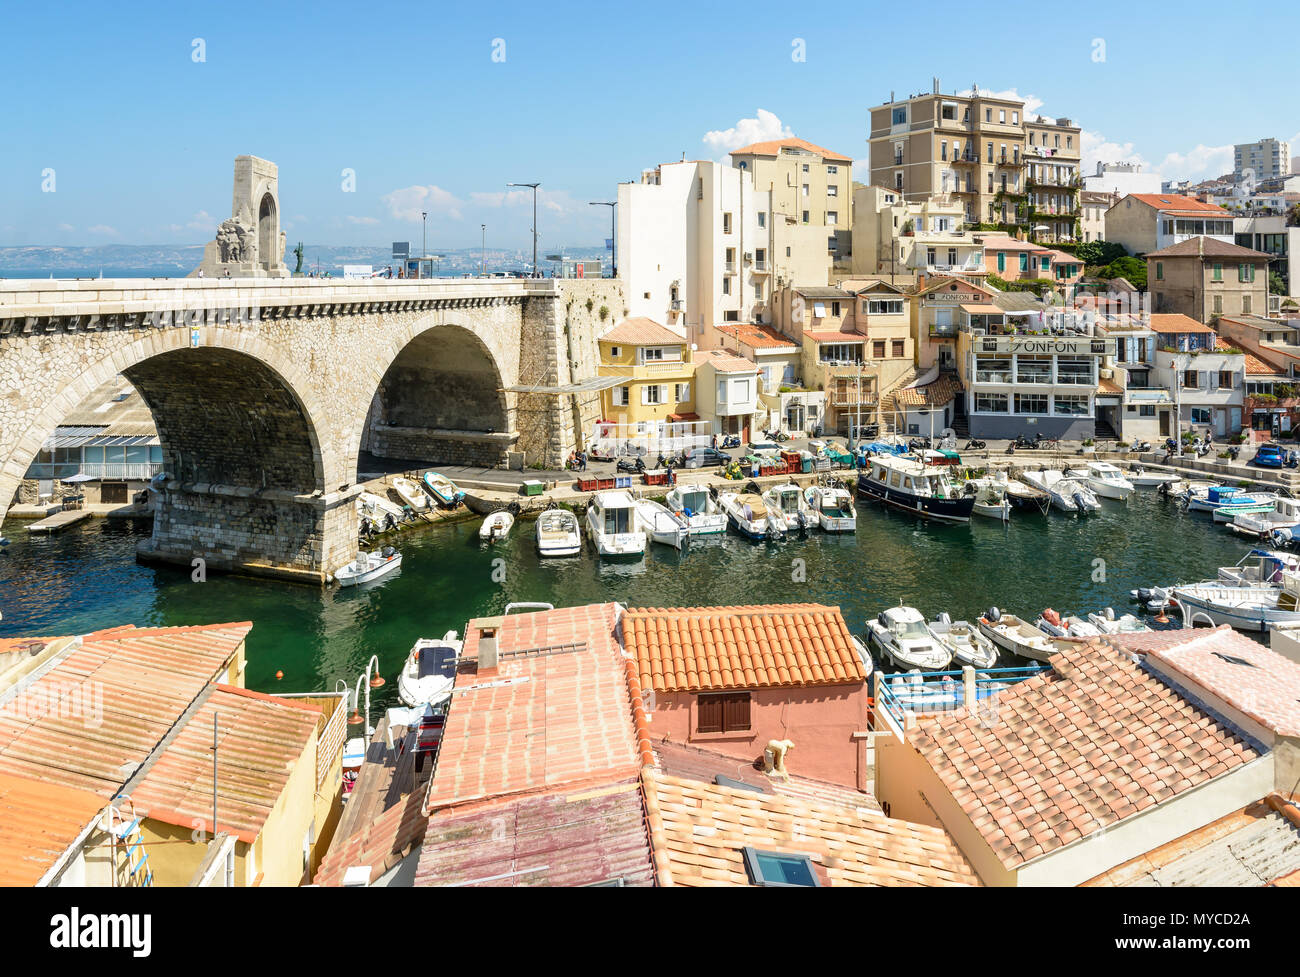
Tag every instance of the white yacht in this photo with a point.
(967, 645)
(902, 638)
(1067, 494)
(696, 505)
(430, 671)
(662, 526)
(750, 516)
(1104, 479)
(411, 493)
(788, 500)
(832, 504)
(1019, 637)
(612, 524)
(558, 533)
(1107, 623)
(1284, 515)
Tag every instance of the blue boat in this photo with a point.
(911, 485)
(443, 490)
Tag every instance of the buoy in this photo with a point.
(279, 674)
(1162, 617)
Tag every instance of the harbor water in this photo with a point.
(87, 578)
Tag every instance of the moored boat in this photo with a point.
(429, 672)
(693, 503)
(661, 525)
(788, 500)
(1145, 479)
(496, 526)
(444, 491)
(749, 515)
(1108, 623)
(1067, 494)
(1256, 607)
(1018, 637)
(924, 490)
(990, 497)
(1104, 479)
(1054, 626)
(1285, 514)
(368, 566)
(410, 493)
(832, 504)
(611, 524)
(964, 641)
(901, 636)
(558, 532)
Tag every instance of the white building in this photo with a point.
(694, 242)
(1121, 179)
(1261, 160)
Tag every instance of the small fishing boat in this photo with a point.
(496, 526)
(443, 490)
(1107, 623)
(1144, 479)
(1208, 496)
(378, 515)
(1018, 637)
(1251, 608)
(832, 504)
(1054, 626)
(410, 493)
(612, 526)
(1067, 494)
(1255, 504)
(1285, 514)
(558, 532)
(901, 636)
(928, 491)
(748, 514)
(661, 525)
(788, 500)
(368, 566)
(693, 503)
(1023, 496)
(967, 645)
(1104, 479)
(1260, 567)
(430, 671)
(990, 497)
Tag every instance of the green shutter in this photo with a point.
(1002, 261)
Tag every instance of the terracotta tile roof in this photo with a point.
(1109, 387)
(704, 648)
(380, 843)
(1075, 749)
(640, 331)
(698, 832)
(835, 335)
(1011, 244)
(1206, 247)
(757, 335)
(773, 147)
(1243, 673)
(1176, 322)
(1172, 203)
(260, 738)
(555, 839)
(119, 693)
(562, 715)
(725, 362)
(936, 394)
(38, 823)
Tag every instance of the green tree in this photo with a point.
(1134, 269)
(1276, 284)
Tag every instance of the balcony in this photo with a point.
(979, 689)
(937, 330)
(1011, 161)
(141, 471)
(968, 159)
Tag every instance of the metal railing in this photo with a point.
(899, 694)
(142, 471)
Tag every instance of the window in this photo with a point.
(988, 115)
(652, 393)
(1146, 410)
(758, 291)
(1246, 273)
(620, 396)
(990, 154)
(878, 349)
(839, 352)
(1226, 379)
(1075, 405)
(885, 306)
(1002, 261)
(1190, 381)
(615, 352)
(899, 117)
(805, 190)
(832, 190)
(805, 167)
(722, 712)
(1245, 303)
(805, 217)
(1002, 116)
(835, 310)
(832, 217)
(991, 403)
(898, 180)
(726, 284)
(898, 348)
(683, 391)
(1218, 272)
(1160, 271)
(1200, 415)
(652, 353)
(1033, 369)
(1015, 118)
(1031, 403)
(832, 170)
(1218, 304)
(1024, 261)
(762, 218)
(768, 868)
(1075, 369)
(726, 223)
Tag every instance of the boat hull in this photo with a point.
(944, 510)
(349, 579)
(899, 659)
(1196, 607)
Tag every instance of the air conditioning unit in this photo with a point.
(1106, 373)
(749, 257)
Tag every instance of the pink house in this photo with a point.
(732, 679)
(1013, 261)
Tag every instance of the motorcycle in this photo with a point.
(975, 444)
(776, 436)
(918, 444)
(636, 467)
(730, 441)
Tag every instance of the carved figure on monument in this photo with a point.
(250, 238)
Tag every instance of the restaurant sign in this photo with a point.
(1043, 344)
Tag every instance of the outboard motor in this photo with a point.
(1079, 501)
(943, 618)
(774, 534)
(994, 615)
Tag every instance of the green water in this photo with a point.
(87, 578)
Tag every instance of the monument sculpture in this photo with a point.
(249, 243)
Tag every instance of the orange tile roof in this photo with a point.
(757, 335)
(118, 694)
(1172, 203)
(1175, 322)
(563, 715)
(1109, 387)
(936, 393)
(1094, 740)
(380, 843)
(773, 147)
(697, 649)
(38, 823)
(845, 335)
(640, 331)
(725, 362)
(1254, 365)
(698, 831)
(260, 738)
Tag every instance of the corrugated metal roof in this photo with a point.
(38, 823)
(61, 440)
(259, 739)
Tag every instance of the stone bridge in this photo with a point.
(265, 391)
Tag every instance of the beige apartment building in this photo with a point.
(811, 192)
(1205, 278)
(1005, 167)
(902, 240)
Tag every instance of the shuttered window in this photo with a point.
(722, 712)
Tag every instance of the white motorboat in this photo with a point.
(967, 645)
(868, 664)
(693, 503)
(750, 516)
(430, 671)
(377, 513)
(612, 525)
(444, 491)
(1022, 496)
(1284, 515)
(788, 500)
(558, 533)
(1054, 626)
(1260, 567)
(1107, 623)
(496, 526)
(1067, 494)
(1254, 504)
(369, 566)
(902, 638)
(411, 493)
(1250, 608)
(1018, 637)
(1145, 479)
(1104, 479)
(990, 497)
(661, 525)
(832, 505)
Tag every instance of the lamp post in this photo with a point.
(482, 268)
(534, 188)
(372, 681)
(613, 254)
(424, 239)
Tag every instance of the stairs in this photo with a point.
(132, 862)
(889, 413)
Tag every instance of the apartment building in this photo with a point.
(979, 147)
(1261, 160)
(811, 191)
(695, 246)
(1205, 278)
(1145, 408)
(904, 239)
(1093, 205)
(729, 393)
(658, 373)
(1146, 222)
(1207, 380)
(1273, 236)
(1013, 260)
(1121, 179)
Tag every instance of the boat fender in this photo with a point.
(514, 508)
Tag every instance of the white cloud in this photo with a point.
(764, 128)
(555, 201)
(1095, 148)
(407, 203)
(362, 220)
(1032, 102)
(103, 229)
(1202, 163)
(67, 228)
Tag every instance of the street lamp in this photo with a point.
(424, 236)
(613, 255)
(534, 188)
(482, 268)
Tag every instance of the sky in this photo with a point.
(120, 124)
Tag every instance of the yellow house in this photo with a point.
(659, 371)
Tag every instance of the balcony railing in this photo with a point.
(1080, 380)
(897, 695)
(938, 330)
(141, 471)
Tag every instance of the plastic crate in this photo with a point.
(656, 477)
(587, 484)
(622, 481)
(789, 456)
(533, 487)
(604, 483)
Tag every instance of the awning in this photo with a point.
(684, 417)
(586, 386)
(79, 477)
(101, 441)
(974, 309)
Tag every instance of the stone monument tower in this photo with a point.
(249, 244)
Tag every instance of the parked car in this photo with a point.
(702, 457)
(767, 447)
(1269, 455)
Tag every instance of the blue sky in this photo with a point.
(142, 138)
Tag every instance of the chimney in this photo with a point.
(488, 657)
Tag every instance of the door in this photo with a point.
(1220, 422)
(112, 492)
(1164, 423)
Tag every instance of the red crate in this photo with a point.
(604, 483)
(588, 484)
(656, 478)
(765, 470)
(790, 456)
